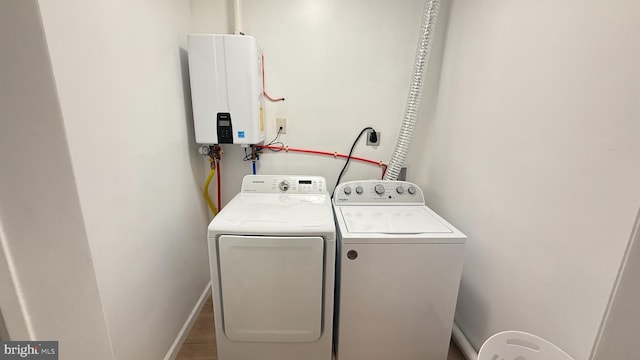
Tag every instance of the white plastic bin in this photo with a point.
(520, 345)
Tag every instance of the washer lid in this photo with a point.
(391, 220)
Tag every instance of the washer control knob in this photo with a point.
(347, 190)
(379, 189)
(399, 189)
(411, 190)
(284, 185)
(359, 190)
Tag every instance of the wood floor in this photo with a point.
(201, 341)
(200, 344)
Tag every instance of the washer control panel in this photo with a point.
(284, 184)
(378, 191)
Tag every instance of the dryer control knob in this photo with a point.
(399, 189)
(379, 189)
(359, 189)
(347, 190)
(411, 190)
(284, 185)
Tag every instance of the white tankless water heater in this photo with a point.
(226, 89)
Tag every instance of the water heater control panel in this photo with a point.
(377, 191)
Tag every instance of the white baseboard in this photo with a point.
(463, 343)
(188, 324)
(613, 332)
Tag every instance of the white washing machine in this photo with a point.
(399, 270)
(272, 255)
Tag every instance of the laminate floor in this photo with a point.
(201, 341)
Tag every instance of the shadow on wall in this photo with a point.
(195, 159)
(4, 334)
(469, 299)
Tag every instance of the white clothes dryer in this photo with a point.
(272, 256)
(399, 270)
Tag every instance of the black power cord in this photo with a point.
(372, 135)
(247, 157)
(275, 140)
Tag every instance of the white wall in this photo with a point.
(534, 153)
(48, 286)
(119, 68)
(341, 65)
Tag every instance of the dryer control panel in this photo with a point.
(284, 184)
(378, 191)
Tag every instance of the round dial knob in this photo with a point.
(379, 189)
(347, 190)
(411, 190)
(284, 185)
(359, 190)
(399, 189)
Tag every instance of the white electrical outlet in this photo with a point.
(281, 123)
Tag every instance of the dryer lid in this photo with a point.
(391, 220)
(275, 214)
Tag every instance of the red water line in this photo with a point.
(219, 197)
(326, 153)
(264, 90)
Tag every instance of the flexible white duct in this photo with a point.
(429, 20)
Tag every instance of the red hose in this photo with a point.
(326, 153)
(264, 90)
(219, 197)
